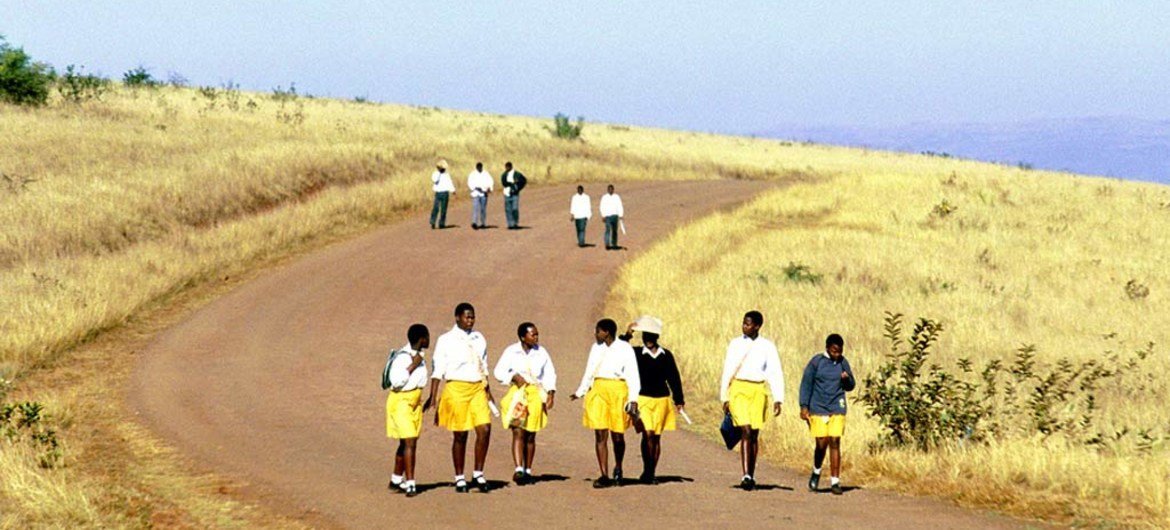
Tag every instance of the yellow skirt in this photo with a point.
(831, 426)
(403, 414)
(748, 402)
(532, 417)
(605, 406)
(463, 406)
(657, 413)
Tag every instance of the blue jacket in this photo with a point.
(822, 391)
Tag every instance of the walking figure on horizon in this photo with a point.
(481, 185)
(750, 369)
(443, 187)
(460, 359)
(826, 379)
(513, 183)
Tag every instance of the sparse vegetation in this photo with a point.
(139, 76)
(22, 81)
(564, 129)
(77, 87)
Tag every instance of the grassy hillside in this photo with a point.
(113, 211)
(1074, 266)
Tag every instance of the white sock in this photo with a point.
(527, 471)
(396, 479)
(519, 469)
(403, 485)
(747, 477)
(410, 483)
(816, 471)
(460, 478)
(834, 481)
(477, 475)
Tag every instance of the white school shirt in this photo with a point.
(535, 366)
(460, 356)
(400, 379)
(480, 179)
(581, 207)
(762, 363)
(441, 182)
(611, 204)
(616, 361)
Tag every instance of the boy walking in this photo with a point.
(580, 210)
(528, 368)
(405, 375)
(827, 377)
(461, 361)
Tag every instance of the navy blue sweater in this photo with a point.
(822, 390)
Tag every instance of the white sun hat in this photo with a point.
(648, 324)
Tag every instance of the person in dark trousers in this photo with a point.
(612, 212)
(826, 379)
(580, 210)
(660, 395)
(443, 187)
(513, 182)
(405, 376)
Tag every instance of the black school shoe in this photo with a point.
(814, 480)
(748, 483)
(836, 489)
(394, 488)
(411, 491)
(617, 478)
(461, 487)
(482, 484)
(602, 482)
(648, 478)
(519, 478)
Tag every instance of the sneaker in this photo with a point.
(602, 482)
(482, 484)
(748, 484)
(814, 480)
(617, 478)
(461, 487)
(411, 491)
(836, 489)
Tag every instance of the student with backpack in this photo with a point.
(404, 376)
(827, 377)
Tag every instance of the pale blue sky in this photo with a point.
(735, 66)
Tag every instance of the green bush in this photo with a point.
(76, 86)
(23, 422)
(139, 77)
(22, 81)
(563, 129)
(800, 273)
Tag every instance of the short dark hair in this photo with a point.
(463, 306)
(523, 329)
(834, 339)
(508, 164)
(580, 188)
(756, 316)
(479, 165)
(416, 332)
(607, 324)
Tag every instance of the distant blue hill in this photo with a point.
(1116, 147)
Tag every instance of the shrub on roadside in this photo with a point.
(22, 81)
(23, 423)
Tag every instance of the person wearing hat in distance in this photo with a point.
(610, 387)
(460, 359)
(580, 210)
(481, 184)
(513, 183)
(661, 391)
(827, 377)
(528, 368)
(750, 369)
(443, 187)
(406, 374)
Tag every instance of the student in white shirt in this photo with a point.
(481, 185)
(580, 210)
(612, 212)
(460, 360)
(405, 376)
(528, 368)
(610, 387)
(443, 187)
(750, 369)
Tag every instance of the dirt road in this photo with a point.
(277, 383)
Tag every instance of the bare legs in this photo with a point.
(749, 448)
(619, 451)
(483, 434)
(523, 447)
(651, 450)
(404, 458)
(834, 447)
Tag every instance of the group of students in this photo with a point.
(481, 185)
(623, 386)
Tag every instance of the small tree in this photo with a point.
(76, 86)
(139, 77)
(22, 81)
(563, 129)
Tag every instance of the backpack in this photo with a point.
(386, 371)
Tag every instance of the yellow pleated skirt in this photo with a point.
(463, 406)
(404, 414)
(532, 417)
(605, 405)
(748, 402)
(657, 413)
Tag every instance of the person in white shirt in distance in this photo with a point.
(580, 210)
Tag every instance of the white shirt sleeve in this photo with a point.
(504, 369)
(774, 374)
(729, 362)
(439, 359)
(549, 376)
(590, 368)
(398, 373)
(633, 378)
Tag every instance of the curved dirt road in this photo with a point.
(276, 384)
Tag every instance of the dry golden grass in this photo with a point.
(1026, 258)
